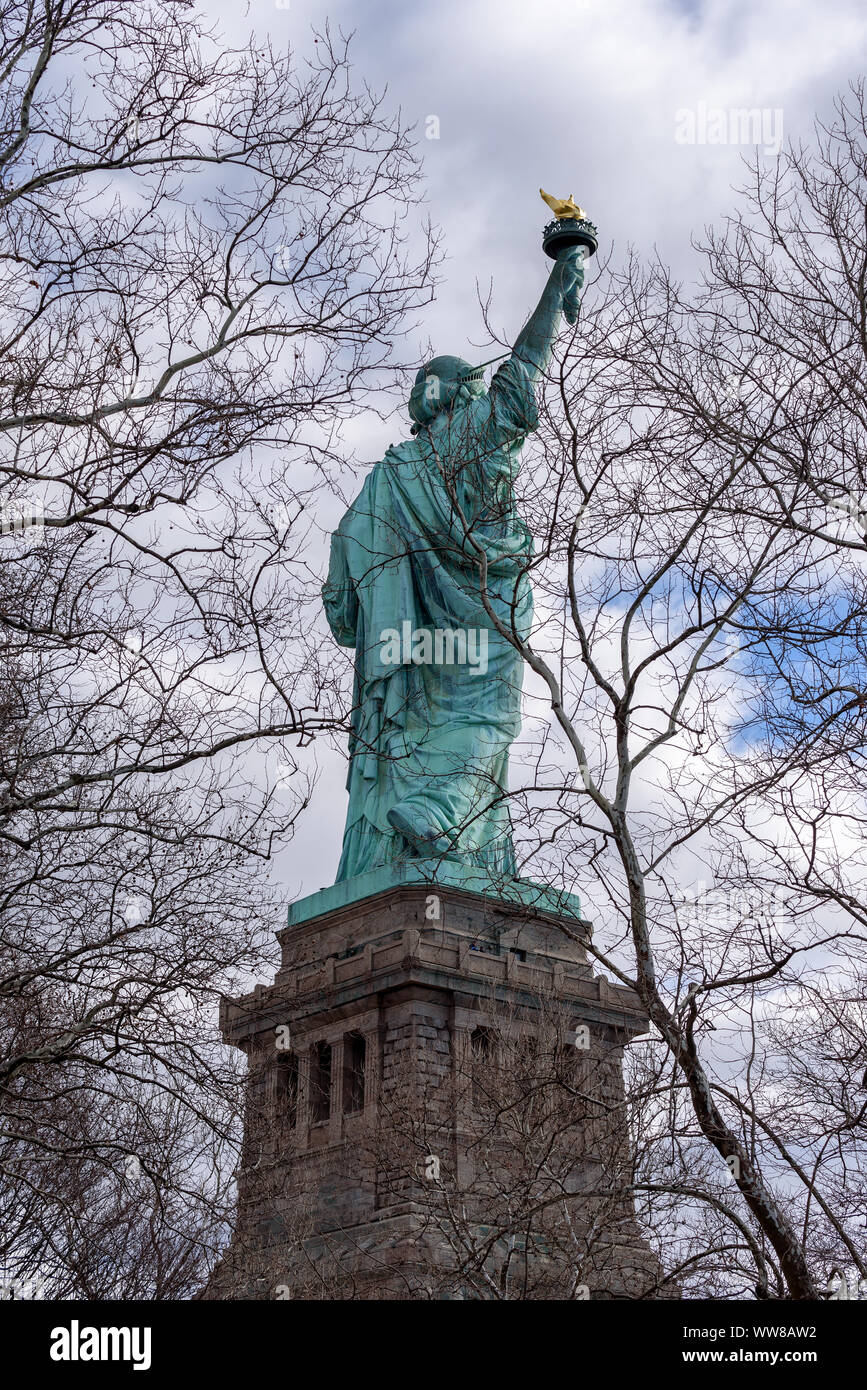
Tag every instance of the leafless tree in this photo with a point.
(205, 260)
(698, 670)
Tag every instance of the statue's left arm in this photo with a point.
(339, 595)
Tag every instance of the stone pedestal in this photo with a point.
(435, 1105)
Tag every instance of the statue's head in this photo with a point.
(439, 384)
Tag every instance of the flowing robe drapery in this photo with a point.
(435, 735)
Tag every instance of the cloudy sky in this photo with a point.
(631, 105)
(578, 96)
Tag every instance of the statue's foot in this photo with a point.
(423, 836)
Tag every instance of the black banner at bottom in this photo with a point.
(87, 1341)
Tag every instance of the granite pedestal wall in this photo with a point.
(376, 1163)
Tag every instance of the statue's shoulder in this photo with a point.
(512, 374)
(404, 452)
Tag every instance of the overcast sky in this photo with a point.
(627, 104)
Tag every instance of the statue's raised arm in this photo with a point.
(568, 239)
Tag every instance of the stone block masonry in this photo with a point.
(435, 1109)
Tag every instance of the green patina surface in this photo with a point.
(427, 567)
(446, 873)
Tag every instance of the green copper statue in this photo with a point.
(437, 699)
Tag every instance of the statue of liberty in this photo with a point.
(427, 566)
